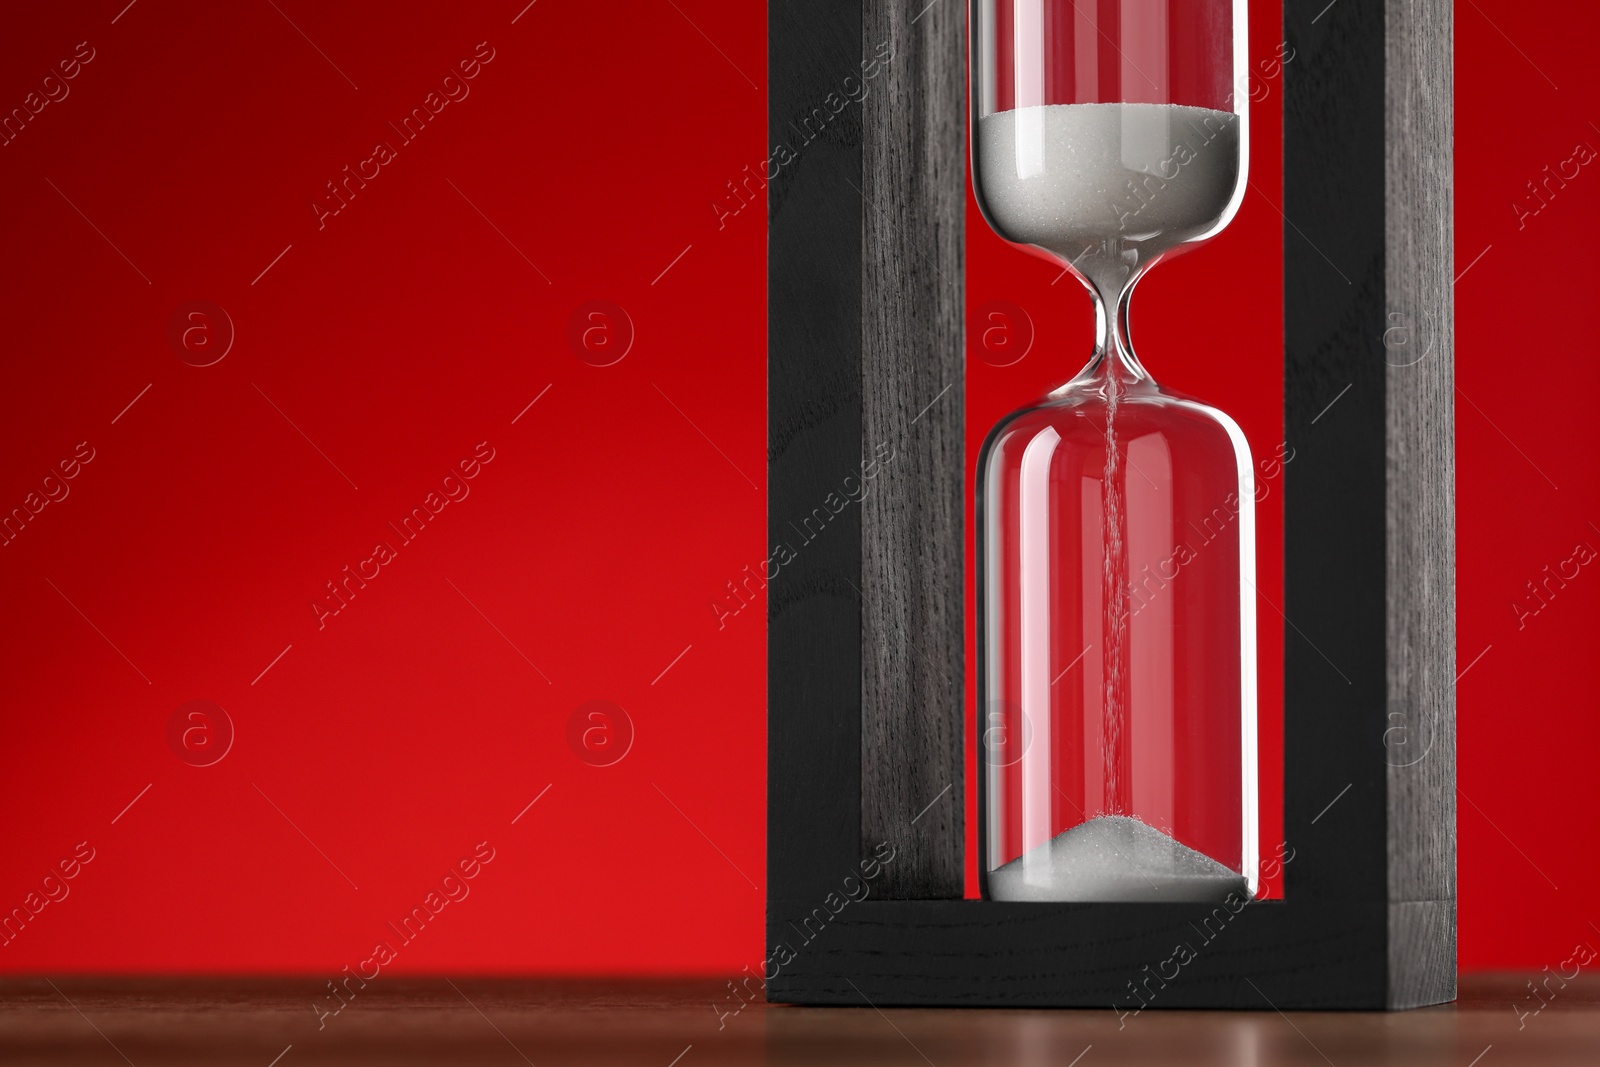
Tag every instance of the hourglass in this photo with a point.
(1116, 527)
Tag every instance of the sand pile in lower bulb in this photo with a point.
(1115, 857)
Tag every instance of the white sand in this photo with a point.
(1115, 857)
(1068, 176)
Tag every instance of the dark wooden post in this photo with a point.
(913, 179)
(1419, 277)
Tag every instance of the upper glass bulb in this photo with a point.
(1108, 132)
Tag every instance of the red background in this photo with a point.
(373, 354)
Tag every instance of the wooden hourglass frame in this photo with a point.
(867, 745)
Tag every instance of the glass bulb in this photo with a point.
(1116, 520)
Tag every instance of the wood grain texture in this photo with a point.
(1422, 953)
(912, 367)
(504, 1022)
(1420, 479)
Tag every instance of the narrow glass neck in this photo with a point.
(1113, 363)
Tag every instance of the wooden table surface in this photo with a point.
(267, 1022)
